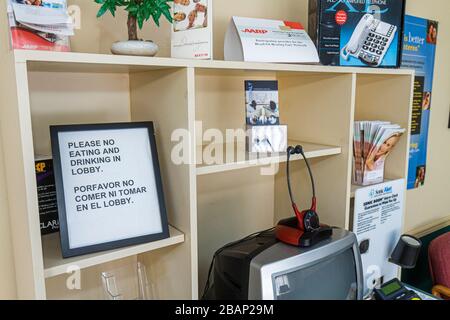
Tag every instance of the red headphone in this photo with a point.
(308, 220)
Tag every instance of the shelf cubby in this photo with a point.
(387, 98)
(60, 92)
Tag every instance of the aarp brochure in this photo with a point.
(262, 40)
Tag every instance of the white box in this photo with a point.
(267, 139)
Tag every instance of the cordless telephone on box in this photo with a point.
(370, 41)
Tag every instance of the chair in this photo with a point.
(439, 261)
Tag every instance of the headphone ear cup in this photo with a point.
(298, 149)
(291, 150)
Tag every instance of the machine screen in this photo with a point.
(391, 288)
(319, 281)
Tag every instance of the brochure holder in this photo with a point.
(111, 285)
(261, 40)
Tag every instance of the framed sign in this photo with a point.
(109, 187)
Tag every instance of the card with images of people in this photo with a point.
(190, 14)
(262, 103)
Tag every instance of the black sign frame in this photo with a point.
(66, 249)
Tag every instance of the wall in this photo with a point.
(426, 205)
(96, 35)
(7, 275)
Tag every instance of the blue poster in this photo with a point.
(419, 49)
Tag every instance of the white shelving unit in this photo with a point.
(208, 205)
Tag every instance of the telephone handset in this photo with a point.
(370, 41)
(361, 32)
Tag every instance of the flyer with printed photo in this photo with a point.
(262, 106)
(192, 29)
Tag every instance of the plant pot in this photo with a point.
(135, 48)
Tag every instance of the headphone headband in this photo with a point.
(293, 151)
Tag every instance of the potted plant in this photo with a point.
(139, 11)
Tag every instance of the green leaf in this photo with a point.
(141, 9)
(166, 13)
(102, 10)
(140, 20)
(156, 15)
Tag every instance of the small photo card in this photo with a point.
(261, 100)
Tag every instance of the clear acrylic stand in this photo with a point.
(110, 287)
(144, 288)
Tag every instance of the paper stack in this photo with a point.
(373, 142)
(40, 24)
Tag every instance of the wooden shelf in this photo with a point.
(55, 265)
(253, 160)
(97, 63)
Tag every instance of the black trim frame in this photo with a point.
(67, 252)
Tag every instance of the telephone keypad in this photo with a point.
(374, 47)
(370, 41)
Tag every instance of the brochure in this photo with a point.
(192, 29)
(419, 53)
(262, 105)
(264, 132)
(373, 141)
(46, 190)
(262, 40)
(40, 24)
(377, 224)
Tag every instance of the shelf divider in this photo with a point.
(243, 160)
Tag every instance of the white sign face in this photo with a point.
(110, 188)
(262, 40)
(377, 224)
